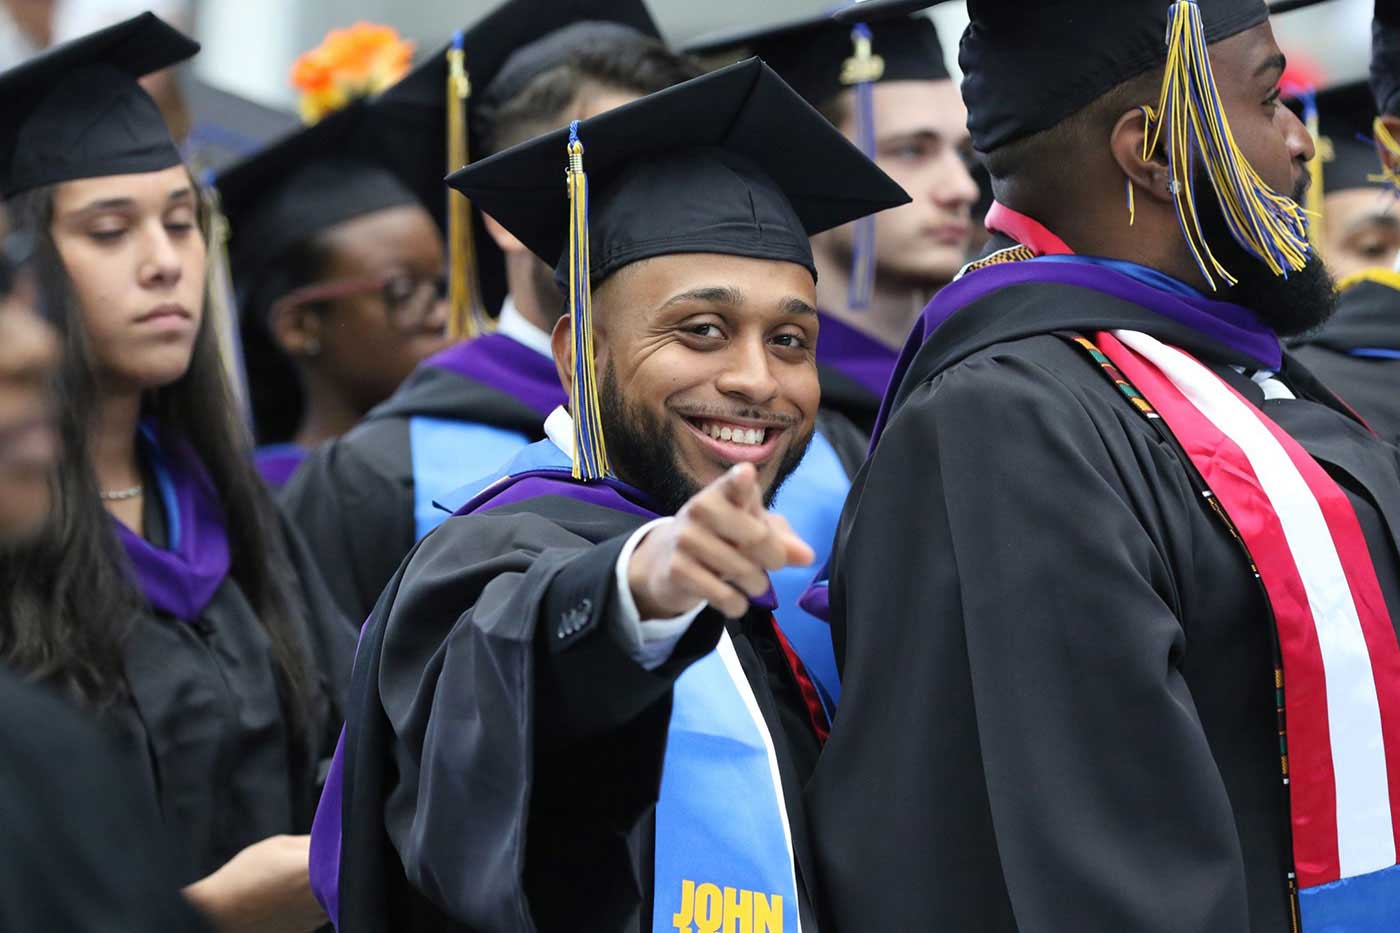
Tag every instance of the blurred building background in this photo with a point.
(249, 45)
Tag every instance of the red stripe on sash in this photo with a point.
(1366, 595)
(816, 712)
(1227, 471)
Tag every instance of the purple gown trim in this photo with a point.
(855, 355)
(181, 579)
(277, 462)
(324, 858)
(1231, 325)
(506, 364)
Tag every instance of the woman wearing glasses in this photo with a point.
(163, 593)
(340, 277)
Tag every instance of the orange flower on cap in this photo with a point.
(364, 59)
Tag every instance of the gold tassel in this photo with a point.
(1269, 225)
(1386, 139)
(220, 306)
(590, 451)
(1317, 190)
(466, 317)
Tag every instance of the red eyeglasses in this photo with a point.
(409, 300)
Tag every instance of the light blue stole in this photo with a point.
(724, 860)
(447, 452)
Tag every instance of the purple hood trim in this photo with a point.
(855, 355)
(507, 365)
(277, 462)
(180, 579)
(1231, 325)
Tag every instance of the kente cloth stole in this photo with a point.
(1340, 658)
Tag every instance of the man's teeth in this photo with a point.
(735, 435)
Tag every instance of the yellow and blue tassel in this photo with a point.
(1317, 189)
(1269, 225)
(467, 316)
(590, 452)
(862, 70)
(1387, 175)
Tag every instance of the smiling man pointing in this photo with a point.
(602, 607)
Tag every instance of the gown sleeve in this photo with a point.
(527, 743)
(80, 848)
(849, 441)
(355, 513)
(330, 636)
(1017, 749)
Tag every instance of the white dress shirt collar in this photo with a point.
(514, 325)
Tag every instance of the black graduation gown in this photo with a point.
(1368, 317)
(848, 398)
(76, 851)
(1058, 709)
(503, 756)
(208, 723)
(353, 498)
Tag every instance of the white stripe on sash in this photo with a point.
(1353, 712)
(741, 682)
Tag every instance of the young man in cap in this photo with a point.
(1357, 353)
(364, 499)
(601, 607)
(1114, 551)
(884, 84)
(1355, 227)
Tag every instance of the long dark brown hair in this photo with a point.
(70, 597)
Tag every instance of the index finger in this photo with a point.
(740, 486)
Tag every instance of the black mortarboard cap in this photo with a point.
(308, 181)
(1385, 57)
(227, 127)
(821, 56)
(416, 103)
(77, 111)
(811, 53)
(509, 46)
(1345, 114)
(1029, 66)
(734, 163)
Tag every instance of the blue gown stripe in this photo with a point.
(1364, 904)
(447, 453)
(811, 501)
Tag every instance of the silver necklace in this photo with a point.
(120, 495)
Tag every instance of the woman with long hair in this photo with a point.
(164, 592)
(67, 807)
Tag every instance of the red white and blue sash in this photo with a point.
(1340, 658)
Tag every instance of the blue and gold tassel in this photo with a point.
(1317, 189)
(590, 452)
(1270, 226)
(1386, 140)
(467, 315)
(861, 71)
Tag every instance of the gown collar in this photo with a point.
(181, 577)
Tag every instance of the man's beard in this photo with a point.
(645, 452)
(1290, 306)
